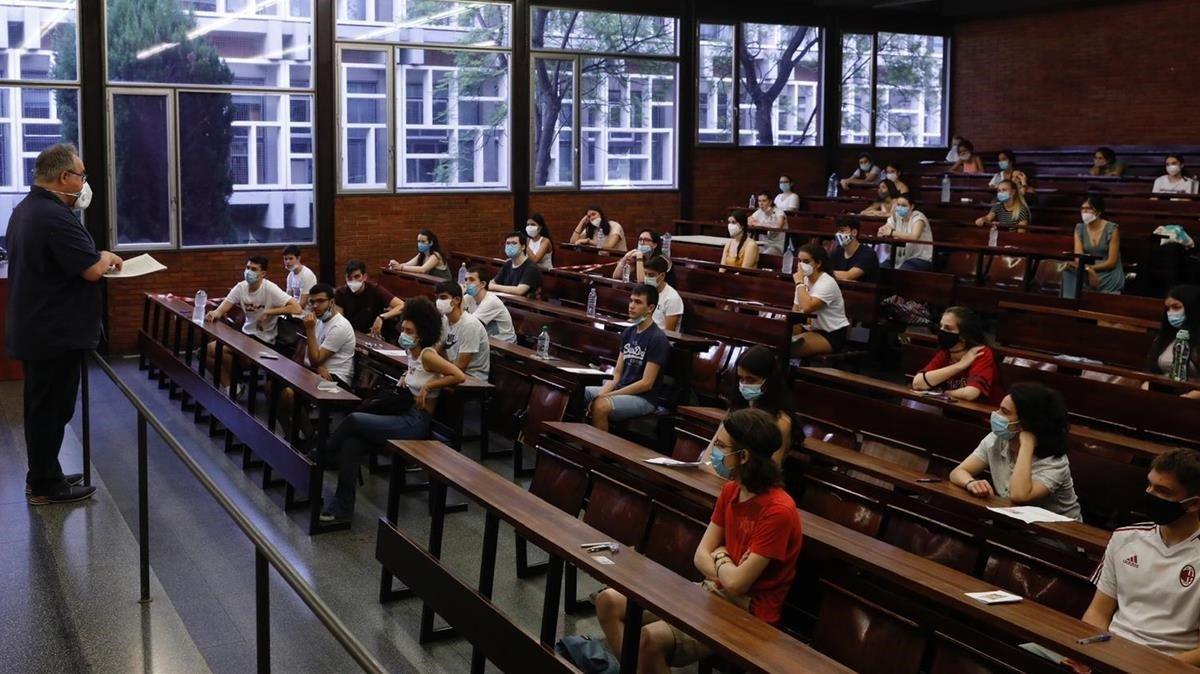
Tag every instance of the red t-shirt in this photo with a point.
(768, 525)
(983, 374)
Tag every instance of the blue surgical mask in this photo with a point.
(645, 248)
(252, 276)
(1176, 318)
(717, 459)
(902, 211)
(407, 341)
(650, 280)
(785, 187)
(1004, 164)
(1003, 196)
(750, 392)
(327, 315)
(1001, 426)
(511, 250)
(472, 288)
(423, 247)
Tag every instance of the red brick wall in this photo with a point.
(725, 176)
(562, 210)
(1113, 74)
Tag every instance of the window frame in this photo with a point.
(65, 84)
(173, 221)
(389, 67)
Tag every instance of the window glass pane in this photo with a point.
(264, 192)
(553, 113)
(142, 158)
(454, 129)
(857, 62)
(363, 115)
(252, 43)
(24, 135)
(715, 93)
(910, 92)
(431, 22)
(39, 40)
(628, 123)
(781, 85)
(603, 32)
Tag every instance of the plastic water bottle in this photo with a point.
(543, 343)
(666, 244)
(462, 274)
(626, 270)
(1181, 353)
(831, 190)
(201, 307)
(993, 236)
(945, 188)
(591, 303)
(753, 201)
(789, 258)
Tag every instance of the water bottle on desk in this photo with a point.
(201, 307)
(591, 302)
(945, 188)
(831, 190)
(666, 244)
(543, 343)
(753, 202)
(625, 271)
(994, 236)
(789, 258)
(462, 274)
(1181, 354)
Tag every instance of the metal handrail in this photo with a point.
(265, 551)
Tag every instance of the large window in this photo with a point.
(602, 118)
(37, 45)
(907, 107)
(212, 122)
(776, 72)
(441, 85)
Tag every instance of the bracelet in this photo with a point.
(970, 482)
(927, 380)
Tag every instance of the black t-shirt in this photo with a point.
(52, 308)
(362, 308)
(864, 258)
(527, 273)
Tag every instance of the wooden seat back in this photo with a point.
(1037, 580)
(547, 402)
(866, 637)
(688, 445)
(672, 539)
(618, 510)
(932, 540)
(559, 482)
(841, 505)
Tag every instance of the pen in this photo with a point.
(1095, 639)
(929, 479)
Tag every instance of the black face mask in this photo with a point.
(947, 340)
(1160, 510)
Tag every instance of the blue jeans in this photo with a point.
(624, 407)
(353, 438)
(916, 264)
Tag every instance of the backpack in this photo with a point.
(590, 656)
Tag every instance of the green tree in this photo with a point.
(763, 86)
(907, 65)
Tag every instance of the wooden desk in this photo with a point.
(943, 587)
(748, 643)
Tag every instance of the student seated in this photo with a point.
(888, 193)
(1025, 453)
(1181, 312)
(637, 375)
(908, 224)
(328, 350)
(1144, 585)
(594, 229)
(818, 294)
(867, 173)
(488, 308)
(1099, 237)
(891, 171)
(668, 312)
(466, 339)
(541, 246)
(851, 259)
(786, 200)
(519, 275)
(429, 258)
(748, 553)
(262, 304)
(1175, 180)
(1007, 162)
(428, 373)
(968, 161)
(649, 247)
(964, 366)
(1010, 208)
(367, 305)
(1105, 163)
(300, 279)
(761, 385)
(952, 155)
(768, 215)
(741, 250)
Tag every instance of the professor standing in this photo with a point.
(53, 319)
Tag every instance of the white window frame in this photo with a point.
(343, 126)
(172, 167)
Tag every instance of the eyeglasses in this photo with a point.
(82, 176)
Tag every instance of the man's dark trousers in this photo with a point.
(51, 385)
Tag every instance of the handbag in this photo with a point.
(388, 400)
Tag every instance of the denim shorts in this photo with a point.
(624, 407)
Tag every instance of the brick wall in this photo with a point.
(725, 176)
(657, 210)
(1112, 74)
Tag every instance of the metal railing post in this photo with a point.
(85, 413)
(262, 612)
(143, 510)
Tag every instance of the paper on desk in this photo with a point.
(392, 353)
(1031, 514)
(1078, 359)
(137, 266)
(674, 463)
(995, 597)
(582, 370)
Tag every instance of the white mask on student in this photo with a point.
(1174, 169)
(734, 228)
(1088, 217)
(354, 286)
(444, 307)
(532, 230)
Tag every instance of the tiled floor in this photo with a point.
(69, 577)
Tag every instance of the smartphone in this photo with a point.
(268, 355)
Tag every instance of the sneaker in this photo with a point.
(72, 479)
(330, 517)
(66, 494)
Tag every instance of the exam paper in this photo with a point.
(583, 370)
(674, 463)
(1031, 514)
(137, 266)
(994, 597)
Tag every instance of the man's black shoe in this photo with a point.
(67, 494)
(72, 479)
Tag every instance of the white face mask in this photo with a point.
(532, 230)
(1087, 216)
(893, 176)
(444, 307)
(82, 198)
(354, 286)
(734, 228)
(1174, 169)
(595, 222)
(806, 269)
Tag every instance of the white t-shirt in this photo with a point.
(300, 281)
(777, 219)
(832, 316)
(1186, 185)
(268, 296)
(337, 335)
(547, 261)
(787, 201)
(494, 316)
(1158, 599)
(469, 336)
(913, 251)
(669, 304)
